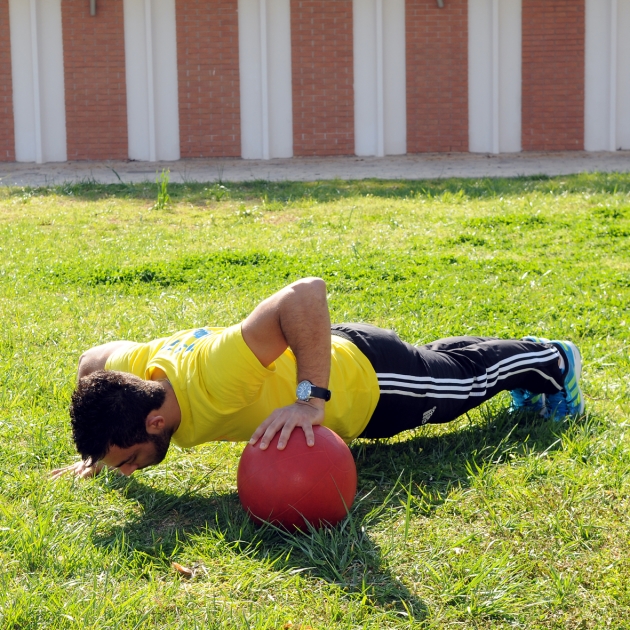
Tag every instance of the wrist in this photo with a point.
(306, 391)
(315, 403)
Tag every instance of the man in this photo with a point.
(239, 383)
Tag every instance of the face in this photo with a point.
(138, 456)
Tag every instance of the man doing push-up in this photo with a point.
(284, 367)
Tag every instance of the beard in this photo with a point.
(160, 442)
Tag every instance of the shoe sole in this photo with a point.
(577, 368)
(577, 359)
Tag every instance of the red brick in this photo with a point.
(323, 75)
(7, 137)
(208, 77)
(553, 75)
(94, 75)
(437, 76)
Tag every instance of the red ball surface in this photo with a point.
(316, 483)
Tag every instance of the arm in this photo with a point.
(296, 317)
(95, 358)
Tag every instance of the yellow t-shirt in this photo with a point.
(224, 392)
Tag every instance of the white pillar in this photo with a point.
(380, 108)
(496, 132)
(612, 80)
(394, 78)
(151, 78)
(37, 113)
(494, 75)
(264, 33)
(264, 80)
(38, 80)
(598, 86)
(607, 78)
(366, 112)
(623, 75)
(380, 96)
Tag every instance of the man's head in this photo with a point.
(114, 419)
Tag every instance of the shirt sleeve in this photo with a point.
(133, 357)
(232, 374)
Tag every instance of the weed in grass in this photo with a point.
(217, 192)
(163, 198)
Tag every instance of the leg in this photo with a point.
(454, 343)
(440, 381)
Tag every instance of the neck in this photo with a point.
(170, 407)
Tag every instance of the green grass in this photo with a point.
(489, 522)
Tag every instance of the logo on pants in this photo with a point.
(427, 415)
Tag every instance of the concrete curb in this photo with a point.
(423, 166)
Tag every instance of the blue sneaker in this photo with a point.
(523, 399)
(569, 401)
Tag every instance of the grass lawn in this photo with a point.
(492, 521)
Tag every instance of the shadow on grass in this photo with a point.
(428, 467)
(326, 191)
(344, 556)
(443, 458)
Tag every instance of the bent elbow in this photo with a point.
(86, 365)
(81, 367)
(314, 286)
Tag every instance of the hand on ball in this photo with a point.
(299, 414)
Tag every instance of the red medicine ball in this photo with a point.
(316, 483)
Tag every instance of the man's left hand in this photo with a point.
(299, 414)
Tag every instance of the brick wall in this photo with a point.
(437, 75)
(322, 74)
(553, 75)
(94, 75)
(7, 139)
(208, 76)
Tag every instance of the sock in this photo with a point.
(561, 363)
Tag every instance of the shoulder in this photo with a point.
(95, 358)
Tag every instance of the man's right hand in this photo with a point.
(78, 469)
(286, 419)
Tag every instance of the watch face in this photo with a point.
(304, 390)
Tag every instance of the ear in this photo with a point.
(155, 423)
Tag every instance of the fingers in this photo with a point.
(91, 471)
(309, 434)
(260, 431)
(88, 471)
(285, 420)
(285, 434)
(60, 472)
(55, 474)
(78, 469)
(268, 429)
(273, 427)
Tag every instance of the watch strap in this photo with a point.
(320, 392)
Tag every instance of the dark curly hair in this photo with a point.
(110, 408)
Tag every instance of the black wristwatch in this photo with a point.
(306, 390)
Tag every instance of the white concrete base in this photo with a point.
(424, 166)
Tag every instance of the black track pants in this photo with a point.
(442, 380)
